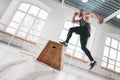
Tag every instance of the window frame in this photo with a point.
(108, 57)
(26, 13)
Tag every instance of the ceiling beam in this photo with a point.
(63, 1)
(112, 15)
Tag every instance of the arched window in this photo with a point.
(28, 22)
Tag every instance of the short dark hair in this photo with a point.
(81, 13)
(81, 10)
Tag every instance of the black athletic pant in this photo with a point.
(83, 40)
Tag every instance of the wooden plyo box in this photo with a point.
(52, 55)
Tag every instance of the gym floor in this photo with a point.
(17, 64)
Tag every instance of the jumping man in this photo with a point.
(84, 31)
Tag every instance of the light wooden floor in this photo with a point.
(16, 64)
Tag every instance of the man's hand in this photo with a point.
(76, 13)
(101, 21)
(74, 20)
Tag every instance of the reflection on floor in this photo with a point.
(16, 64)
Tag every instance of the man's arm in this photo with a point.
(96, 17)
(73, 19)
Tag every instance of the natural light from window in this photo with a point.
(111, 54)
(28, 22)
(118, 16)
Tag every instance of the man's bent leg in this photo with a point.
(71, 30)
(83, 41)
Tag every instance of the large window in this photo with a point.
(74, 47)
(28, 22)
(111, 54)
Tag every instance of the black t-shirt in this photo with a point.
(85, 28)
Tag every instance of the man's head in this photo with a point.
(81, 12)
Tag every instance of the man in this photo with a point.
(84, 31)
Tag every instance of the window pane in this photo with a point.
(69, 51)
(18, 17)
(63, 34)
(104, 59)
(38, 25)
(37, 28)
(106, 51)
(108, 40)
(110, 66)
(33, 10)
(104, 64)
(114, 43)
(24, 28)
(34, 33)
(28, 21)
(76, 25)
(43, 14)
(118, 64)
(78, 55)
(111, 62)
(10, 30)
(14, 25)
(71, 46)
(117, 69)
(68, 25)
(118, 56)
(21, 34)
(74, 39)
(33, 38)
(112, 54)
(24, 7)
(79, 49)
(119, 46)
(79, 44)
(85, 58)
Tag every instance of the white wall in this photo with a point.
(58, 13)
(3, 6)
(54, 22)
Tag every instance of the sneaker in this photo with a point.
(64, 43)
(92, 64)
